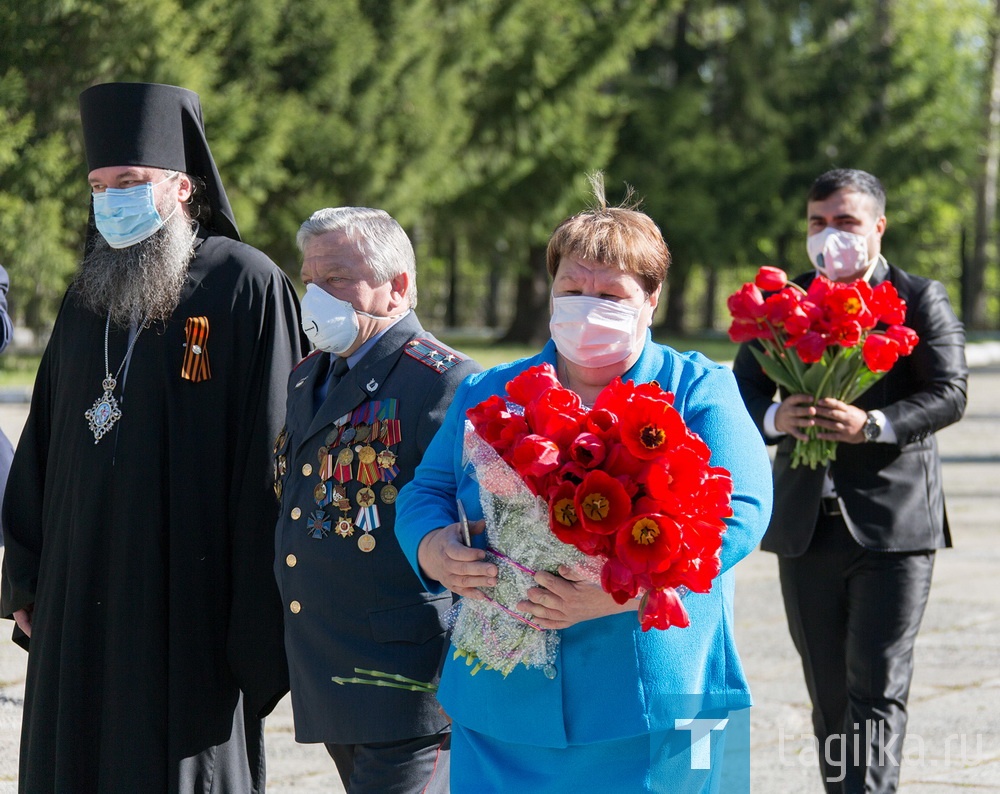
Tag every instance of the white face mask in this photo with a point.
(838, 254)
(592, 332)
(332, 324)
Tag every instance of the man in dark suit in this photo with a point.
(361, 411)
(856, 540)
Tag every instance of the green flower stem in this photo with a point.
(391, 680)
(821, 391)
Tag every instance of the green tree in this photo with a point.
(544, 113)
(702, 143)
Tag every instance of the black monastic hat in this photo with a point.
(158, 126)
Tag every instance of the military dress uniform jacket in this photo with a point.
(350, 597)
(890, 495)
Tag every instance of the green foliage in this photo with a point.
(475, 122)
(35, 243)
(738, 106)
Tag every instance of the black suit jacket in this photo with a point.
(891, 494)
(358, 609)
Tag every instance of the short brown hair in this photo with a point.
(619, 236)
(848, 179)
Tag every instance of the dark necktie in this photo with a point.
(325, 383)
(338, 371)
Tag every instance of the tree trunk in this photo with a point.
(531, 311)
(711, 293)
(973, 274)
(451, 306)
(492, 315)
(880, 64)
(676, 298)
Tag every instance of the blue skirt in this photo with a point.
(657, 763)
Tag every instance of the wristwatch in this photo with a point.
(871, 428)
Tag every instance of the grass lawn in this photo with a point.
(17, 370)
(489, 354)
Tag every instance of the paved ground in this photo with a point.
(953, 741)
(954, 738)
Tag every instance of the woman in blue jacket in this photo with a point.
(615, 715)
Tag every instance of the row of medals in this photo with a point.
(326, 492)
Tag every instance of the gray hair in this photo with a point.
(377, 235)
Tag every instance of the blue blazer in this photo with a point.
(612, 679)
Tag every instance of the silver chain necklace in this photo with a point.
(106, 411)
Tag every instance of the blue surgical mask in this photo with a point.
(128, 216)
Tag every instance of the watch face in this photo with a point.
(871, 429)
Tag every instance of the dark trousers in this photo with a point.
(410, 766)
(854, 615)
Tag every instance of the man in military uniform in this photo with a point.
(361, 411)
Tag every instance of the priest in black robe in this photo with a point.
(139, 513)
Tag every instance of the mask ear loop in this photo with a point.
(382, 316)
(165, 179)
(163, 221)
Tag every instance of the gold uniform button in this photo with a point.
(296, 512)
(307, 469)
(290, 561)
(296, 607)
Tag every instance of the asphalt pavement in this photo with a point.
(953, 741)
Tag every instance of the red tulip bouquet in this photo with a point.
(821, 341)
(623, 491)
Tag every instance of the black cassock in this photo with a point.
(148, 555)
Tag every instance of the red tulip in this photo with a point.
(747, 330)
(661, 609)
(601, 502)
(845, 302)
(880, 352)
(588, 450)
(487, 410)
(619, 581)
(747, 303)
(556, 414)
(906, 338)
(846, 332)
(648, 542)
(810, 347)
(697, 570)
(886, 304)
(650, 427)
(534, 456)
(782, 305)
(675, 480)
(770, 279)
(532, 383)
(566, 526)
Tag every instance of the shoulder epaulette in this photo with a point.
(303, 361)
(432, 354)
